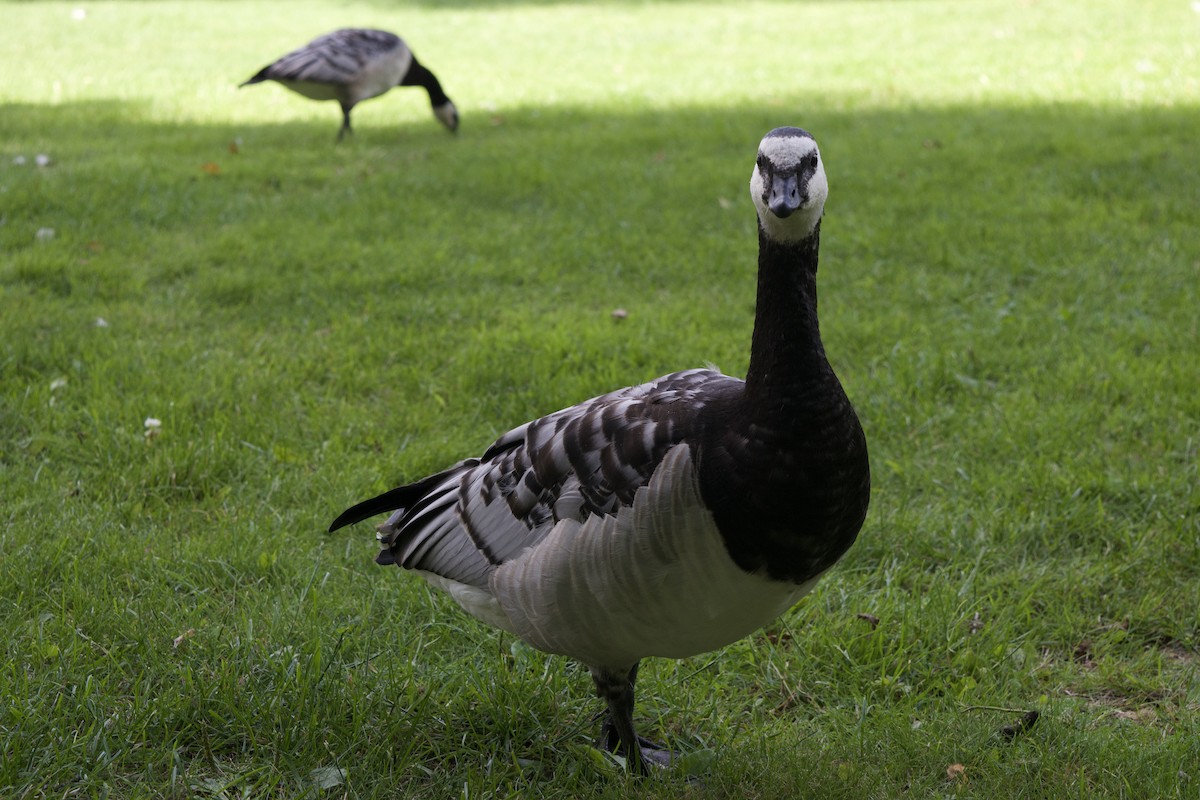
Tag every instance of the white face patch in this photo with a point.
(786, 154)
(447, 114)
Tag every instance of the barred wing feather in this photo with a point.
(586, 460)
(335, 58)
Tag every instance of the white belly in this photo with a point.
(316, 91)
(378, 76)
(653, 580)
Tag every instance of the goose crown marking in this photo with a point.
(788, 184)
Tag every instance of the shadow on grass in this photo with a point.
(523, 232)
(1010, 184)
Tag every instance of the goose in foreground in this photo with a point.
(666, 519)
(355, 64)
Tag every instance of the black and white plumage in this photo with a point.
(669, 518)
(355, 64)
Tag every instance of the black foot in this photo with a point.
(618, 735)
(654, 754)
(346, 129)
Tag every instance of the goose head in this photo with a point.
(447, 114)
(788, 185)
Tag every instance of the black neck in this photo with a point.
(784, 470)
(419, 76)
(787, 359)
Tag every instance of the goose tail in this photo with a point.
(395, 499)
(392, 500)
(259, 77)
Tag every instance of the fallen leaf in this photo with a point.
(778, 637)
(1144, 714)
(210, 168)
(870, 619)
(183, 637)
(328, 777)
(956, 772)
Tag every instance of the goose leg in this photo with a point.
(617, 734)
(345, 123)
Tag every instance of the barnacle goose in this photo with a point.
(355, 64)
(665, 519)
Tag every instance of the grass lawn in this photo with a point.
(1010, 281)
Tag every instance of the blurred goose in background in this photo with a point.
(355, 64)
(665, 519)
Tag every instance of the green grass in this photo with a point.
(1009, 280)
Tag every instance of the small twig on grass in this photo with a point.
(1002, 709)
(1010, 732)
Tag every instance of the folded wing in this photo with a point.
(586, 460)
(335, 58)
